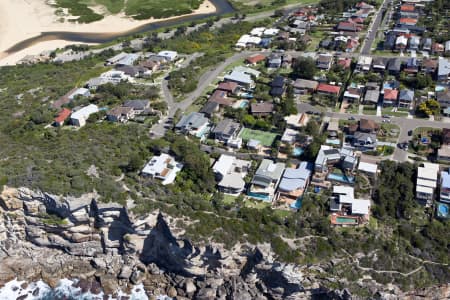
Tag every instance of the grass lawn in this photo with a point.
(424, 131)
(390, 136)
(388, 111)
(266, 138)
(251, 203)
(229, 199)
(316, 37)
(369, 110)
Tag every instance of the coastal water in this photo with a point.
(67, 290)
(222, 7)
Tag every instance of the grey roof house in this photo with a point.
(226, 129)
(265, 180)
(405, 98)
(364, 141)
(139, 106)
(195, 124)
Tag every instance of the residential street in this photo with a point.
(372, 31)
(204, 81)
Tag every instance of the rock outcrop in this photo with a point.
(105, 246)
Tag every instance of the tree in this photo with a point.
(429, 107)
(311, 151)
(312, 128)
(304, 67)
(249, 120)
(135, 163)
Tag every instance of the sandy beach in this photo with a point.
(23, 19)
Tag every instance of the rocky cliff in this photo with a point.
(48, 237)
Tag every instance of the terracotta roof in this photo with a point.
(430, 63)
(390, 94)
(63, 115)
(255, 58)
(407, 7)
(228, 86)
(345, 62)
(221, 98)
(328, 88)
(408, 21)
(347, 26)
(366, 124)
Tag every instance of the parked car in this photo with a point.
(410, 132)
(352, 118)
(386, 116)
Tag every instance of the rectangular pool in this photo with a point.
(341, 178)
(345, 220)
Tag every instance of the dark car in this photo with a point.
(410, 132)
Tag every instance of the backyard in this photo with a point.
(265, 138)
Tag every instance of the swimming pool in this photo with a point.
(297, 151)
(247, 95)
(442, 210)
(243, 104)
(259, 196)
(341, 178)
(297, 204)
(345, 220)
(333, 141)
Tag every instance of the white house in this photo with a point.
(343, 201)
(230, 173)
(79, 117)
(163, 167)
(168, 55)
(427, 177)
(82, 92)
(364, 63)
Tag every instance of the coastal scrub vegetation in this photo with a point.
(138, 9)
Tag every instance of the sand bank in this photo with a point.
(24, 19)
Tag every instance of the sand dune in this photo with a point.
(23, 19)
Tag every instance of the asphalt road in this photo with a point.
(372, 31)
(404, 124)
(204, 81)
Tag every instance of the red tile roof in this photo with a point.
(254, 59)
(228, 86)
(407, 7)
(345, 62)
(390, 94)
(63, 115)
(408, 21)
(328, 88)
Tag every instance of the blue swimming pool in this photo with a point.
(425, 140)
(243, 104)
(341, 178)
(442, 210)
(259, 196)
(297, 204)
(297, 151)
